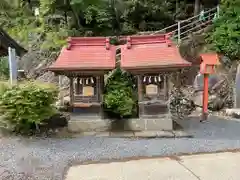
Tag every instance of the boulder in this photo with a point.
(217, 91)
(66, 100)
(233, 112)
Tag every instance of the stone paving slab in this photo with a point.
(152, 169)
(138, 134)
(127, 134)
(218, 166)
(182, 134)
(154, 134)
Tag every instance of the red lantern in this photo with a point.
(209, 61)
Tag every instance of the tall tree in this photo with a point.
(225, 36)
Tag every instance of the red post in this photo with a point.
(205, 98)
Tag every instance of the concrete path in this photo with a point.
(219, 166)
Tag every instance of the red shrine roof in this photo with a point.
(86, 53)
(151, 51)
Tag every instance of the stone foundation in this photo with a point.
(94, 124)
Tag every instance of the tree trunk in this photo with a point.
(196, 7)
(75, 14)
(177, 6)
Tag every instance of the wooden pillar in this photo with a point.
(71, 93)
(159, 88)
(166, 87)
(140, 94)
(140, 90)
(100, 86)
(61, 97)
(78, 86)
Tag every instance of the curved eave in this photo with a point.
(175, 66)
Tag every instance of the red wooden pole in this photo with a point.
(205, 98)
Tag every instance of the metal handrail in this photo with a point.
(196, 26)
(210, 14)
(197, 21)
(182, 21)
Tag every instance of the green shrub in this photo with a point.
(225, 36)
(120, 95)
(4, 68)
(25, 106)
(4, 86)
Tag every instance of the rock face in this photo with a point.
(180, 104)
(219, 92)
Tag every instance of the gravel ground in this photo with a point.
(48, 159)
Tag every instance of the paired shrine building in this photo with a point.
(85, 61)
(152, 59)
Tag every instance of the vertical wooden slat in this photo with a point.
(71, 93)
(60, 77)
(159, 89)
(166, 87)
(78, 86)
(140, 90)
(140, 94)
(100, 85)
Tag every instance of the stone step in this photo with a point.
(140, 134)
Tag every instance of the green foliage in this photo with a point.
(4, 86)
(120, 94)
(44, 35)
(25, 106)
(225, 37)
(4, 69)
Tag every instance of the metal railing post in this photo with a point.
(218, 9)
(179, 32)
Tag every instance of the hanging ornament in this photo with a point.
(159, 78)
(92, 80)
(144, 79)
(155, 79)
(81, 81)
(75, 81)
(149, 79)
(87, 80)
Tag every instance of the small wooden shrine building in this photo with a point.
(152, 58)
(6, 41)
(85, 60)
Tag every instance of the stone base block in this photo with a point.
(149, 124)
(88, 124)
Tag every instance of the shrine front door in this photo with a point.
(153, 95)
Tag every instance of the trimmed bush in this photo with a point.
(24, 107)
(120, 95)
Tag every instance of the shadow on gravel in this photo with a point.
(214, 128)
(50, 158)
(8, 175)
